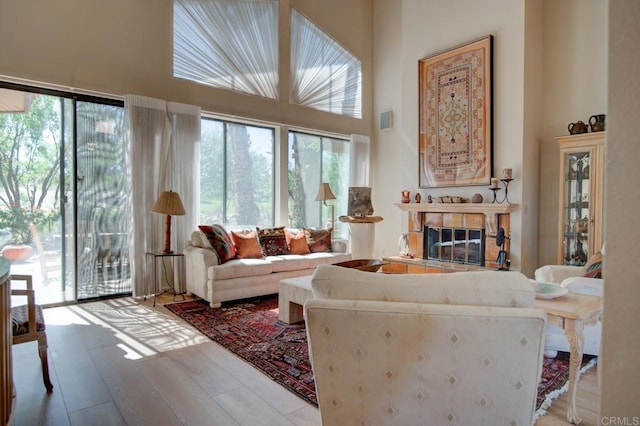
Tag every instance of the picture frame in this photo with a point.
(455, 116)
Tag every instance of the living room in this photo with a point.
(552, 66)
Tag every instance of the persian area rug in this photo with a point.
(250, 328)
(555, 379)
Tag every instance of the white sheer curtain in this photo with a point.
(360, 160)
(227, 43)
(161, 154)
(324, 75)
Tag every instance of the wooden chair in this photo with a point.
(28, 324)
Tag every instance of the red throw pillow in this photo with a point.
(297, 242)
(594, 267)
(273, 241)
(219, 240)
(319, 240)
(247, 245)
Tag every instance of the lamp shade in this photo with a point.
(324, 192)
(169, 202)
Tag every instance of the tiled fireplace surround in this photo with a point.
(486, 216)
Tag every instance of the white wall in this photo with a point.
(574, 69)
(401, 39)
(619, 368)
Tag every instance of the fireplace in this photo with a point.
(454, 244)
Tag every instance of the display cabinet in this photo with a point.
(581, 197)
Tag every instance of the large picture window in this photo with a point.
(237, 174)
(314, 159)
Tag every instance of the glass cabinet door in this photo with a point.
(576, 211)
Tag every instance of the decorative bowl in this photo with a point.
(367, 265)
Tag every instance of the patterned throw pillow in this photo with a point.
(217, 238)
(319, 240)
(273, 241)
(593, 268)
(247, 245)
(297, 242)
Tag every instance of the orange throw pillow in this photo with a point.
(297, 242)
(247, 245)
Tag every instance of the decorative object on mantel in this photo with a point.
(418, 198)
(451, 199)
(455, 110)
(406, 196)
(495, 187)
(577, 128)
(477, 198)
(597, 122)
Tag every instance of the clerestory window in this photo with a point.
(324, 75)
(228, 44)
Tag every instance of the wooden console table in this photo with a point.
(572, 312)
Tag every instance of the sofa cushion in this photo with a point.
(478, 288)
(594, 267)
(217, 238)
(297, 242)
(288, 262)
(272, 241)
(324, 258)
(319, 240)
(247, 245)
(238, 268)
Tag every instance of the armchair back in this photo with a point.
(402, 362)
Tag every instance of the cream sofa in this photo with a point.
(242, 278)
(463, 348)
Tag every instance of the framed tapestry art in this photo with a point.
(455, 105)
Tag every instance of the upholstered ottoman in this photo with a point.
(292, 293)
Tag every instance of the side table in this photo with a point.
(572, 312)
(177, 271)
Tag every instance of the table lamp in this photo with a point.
(324, 194)
(169, 204)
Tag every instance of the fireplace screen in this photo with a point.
(460, 245)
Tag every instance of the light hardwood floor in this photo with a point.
(121, 362)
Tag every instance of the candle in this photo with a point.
(506, 173)
(494, 182)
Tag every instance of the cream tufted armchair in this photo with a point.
(430, 349)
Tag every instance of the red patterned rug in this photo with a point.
(250, 328)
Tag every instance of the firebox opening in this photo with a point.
(456, 245)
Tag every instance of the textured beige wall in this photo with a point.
(401, 39)
(121, 46)
(574, 88)
(619, 368)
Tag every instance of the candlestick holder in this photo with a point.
(506, 190)
(495, 190)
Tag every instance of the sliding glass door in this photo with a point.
(62, 215)
(102, 243)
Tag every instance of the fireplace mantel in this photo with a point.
(485, 208)
(458, 215)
